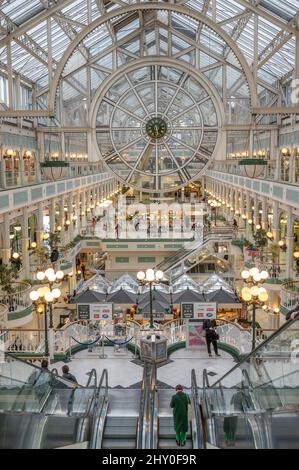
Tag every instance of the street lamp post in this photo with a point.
(150, 277)
(254, 294)
(46, 296)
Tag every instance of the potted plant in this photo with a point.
(55, 169)
(252, 167)
(260, 238)
(8, 276)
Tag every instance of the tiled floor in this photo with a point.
(122, 372)
(179, 371)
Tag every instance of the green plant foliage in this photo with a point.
(260, 238)
(8, 275)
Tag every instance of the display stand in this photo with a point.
(102, 354)
(120, 350)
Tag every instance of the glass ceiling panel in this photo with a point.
(20, 11)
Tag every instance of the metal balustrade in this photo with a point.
(72, 334)
(290, 295)
(17, 300)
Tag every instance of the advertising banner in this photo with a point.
(101, 311)
(83, 311)
(199, 310)
(94, 312)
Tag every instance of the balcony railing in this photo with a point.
(17, 300)
(290, 295)
(3, 315)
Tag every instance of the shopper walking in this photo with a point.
(212, 337)
(179, 403)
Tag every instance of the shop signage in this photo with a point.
(156, 316)
(199, 310)
(83, 311)
(94, 312)
(101, 312)
(187, 310)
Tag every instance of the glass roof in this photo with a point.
(30, 51)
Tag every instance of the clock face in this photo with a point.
(156, 128)
(160, 131)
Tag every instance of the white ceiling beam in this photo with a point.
(23, 113)
(34, 21)
(268, 16)
(233, 18)
(72, 22)
(277, 110)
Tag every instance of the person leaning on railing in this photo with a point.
(292, 314)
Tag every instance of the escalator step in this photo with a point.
(170, 443)
(117, 431)
(118, 443)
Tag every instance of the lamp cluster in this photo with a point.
(254, 293)
(150, 276)
(46, 294)
(50, 275)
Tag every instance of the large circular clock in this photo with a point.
(156, 128)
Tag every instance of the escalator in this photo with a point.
(119, 420)
(166, 433)
(176, 264)
(46, 410)
(161, 424)
(256, 404)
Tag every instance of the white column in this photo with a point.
(247, 213)
(6, 253)
(256, 210)
(264, 214)
(70, 211)
(275, 228)
(290, 244)
(83, 209)
(40, 225)
(62, 221)
(25, 244)
(52, 215)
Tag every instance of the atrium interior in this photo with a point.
(149, 224)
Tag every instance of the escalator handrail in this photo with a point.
(210, 429)
(208, 237)
(92, 403)
(92, 374)
(143, 406)
(139, 432)
(98, 409)
(206, 383)
(34, 366)
(277, 378)
(284, 327)
(153, 409)
(197, 432)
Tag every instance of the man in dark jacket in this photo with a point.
(67, 375)
(212, 337)
(179, 403)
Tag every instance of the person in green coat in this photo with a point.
(179, 403)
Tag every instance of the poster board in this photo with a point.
(199, 310)
(83, 312)
(95, 312)
(195, 335)
(195, 313)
